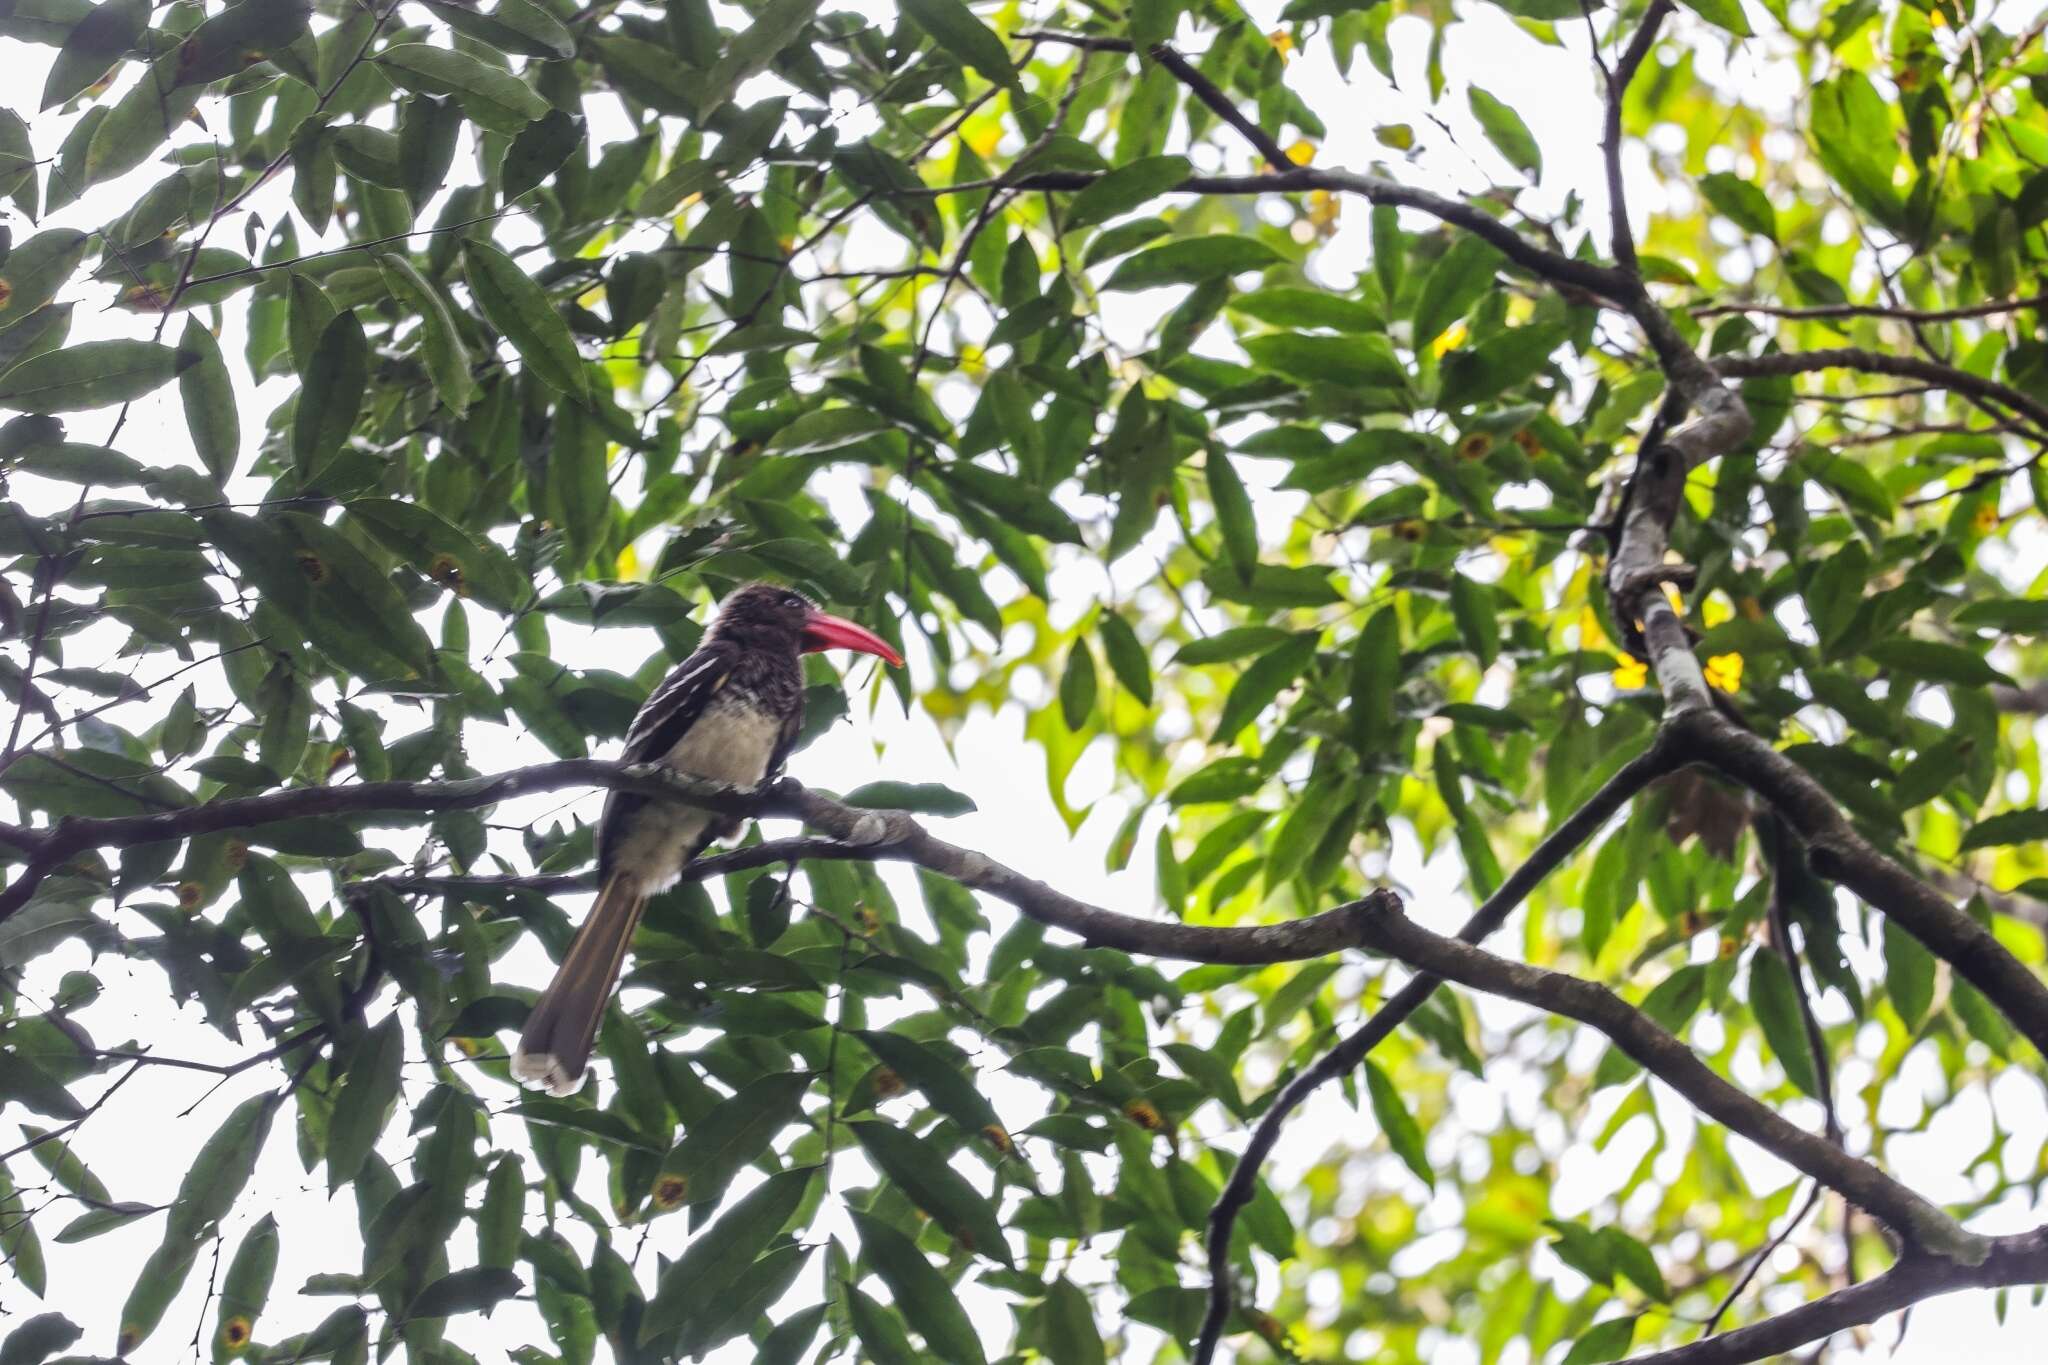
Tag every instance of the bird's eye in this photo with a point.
(790, 599)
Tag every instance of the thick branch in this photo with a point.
(1875, 310)
(1837, 852)
(1623, 239)
(1877, 362)
(2014, 1260)
(1920, 1223)
(1556, 847)
(856, 833)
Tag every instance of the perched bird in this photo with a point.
(729, 713)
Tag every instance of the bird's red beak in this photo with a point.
(822, 630)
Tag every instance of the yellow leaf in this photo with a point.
(1725, 671)
(982, 135)
(1451, 338)
(1301, 152)
(1715, 610)
(1630, 674)
(1282, 41)
(628, 569)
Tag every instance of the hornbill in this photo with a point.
(729, 712)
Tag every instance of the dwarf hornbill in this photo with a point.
(729, 713)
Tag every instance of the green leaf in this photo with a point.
(1506, 131)
(953, 27)
(495, 98)
(825, 430)
(1191, 260)
(1288, 307)
(1127, 658)
(880, 1331)
(94, 374)
(1403, 1133)
(363, 1102)
(1472, 604)
(217, 1175)
(1375, 673)
(38, 1338)
(2012, 827)
(1725, 14)
(207, 394)
(925, 798)
(1233, 514)
(721, 1254)
(106, 34)
(779, 23)
(1077, 686)
(1015, 501)
(1354, 361)
(2012, 615)
(736, 1132)
(26, 1084)
(475, 1290)
(931, 1183)
(1734, 198)
(1908, 975)
(1932, 661)
(1126, 188)
(941, 1080)
(441, 347)
(518, 26)
(1602, 1342)
(1067, 1325)
(1264, 680)
(926, 1300)
(34, 271)
(519, 309)
(539, 151)
(331, 395)
(1774, 998)
(1459, 279)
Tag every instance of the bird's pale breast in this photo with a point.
(731, 742)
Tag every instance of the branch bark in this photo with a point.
(853, 832)
(2014, 1260)
(1921, 1224)
(1556, 847)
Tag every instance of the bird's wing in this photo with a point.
(672, 708)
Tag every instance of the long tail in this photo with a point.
(555, 1046)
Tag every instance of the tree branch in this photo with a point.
(1921, 1224)
(854, 833)
(1875, 310)
(1622, 239)
(1837, 852)
(2014, 1260)
(1900, 366)
(1556, 847)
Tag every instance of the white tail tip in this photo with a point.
(542, 1071)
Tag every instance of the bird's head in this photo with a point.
(769, 616)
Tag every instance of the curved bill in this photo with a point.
(822, 630)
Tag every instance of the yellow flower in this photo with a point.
(1282, 41)
(982, 136)
(1630, 674)
(1323, 208)
(1986, 520)
(1714, 610)
(628, 565)
(1302, 152)
(1453, 337)
(1725, 671)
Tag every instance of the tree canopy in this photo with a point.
(1644, 537)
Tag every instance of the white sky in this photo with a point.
(142, 1143)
